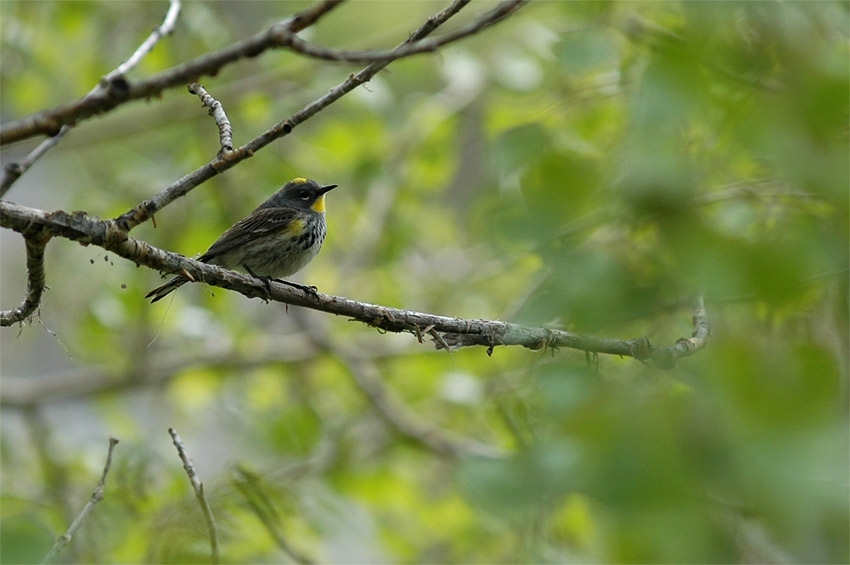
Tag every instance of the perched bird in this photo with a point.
(277, 239)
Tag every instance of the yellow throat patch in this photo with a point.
(319, 204)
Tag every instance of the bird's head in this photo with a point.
(300, 193)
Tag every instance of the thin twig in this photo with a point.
(198, 487)
(13, 171)
(96, 496)
(225, 130)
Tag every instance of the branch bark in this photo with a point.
(448, 332)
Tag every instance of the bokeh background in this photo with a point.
(591, 166)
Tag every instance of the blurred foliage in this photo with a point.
(591, 166)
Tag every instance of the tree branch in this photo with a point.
(120, 91)
(390, 407)
(487, 19)
(248, 485)
(13, 171)
(221, 163)
(448, 332)
(35, 245)
(198, 487)
(96, 496)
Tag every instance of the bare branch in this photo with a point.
(119, 90)
(182, 186)
(13, 171)
(148, 44)
(405, 50)
(455, 332)
(96, 496)
(225, 130)
(198, 487)
(35, 246)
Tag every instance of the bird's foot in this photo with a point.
(266, 281)
(308, 289)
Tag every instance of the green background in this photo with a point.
(589, 166)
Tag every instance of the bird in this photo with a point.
(277, 239)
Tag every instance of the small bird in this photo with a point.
(277, 239)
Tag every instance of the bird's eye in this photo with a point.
(304, 195)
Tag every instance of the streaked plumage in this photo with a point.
(277, 239)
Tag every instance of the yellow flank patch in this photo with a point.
(319, 204)
(299, 180)
(294, 227)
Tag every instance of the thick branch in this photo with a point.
(448, 332)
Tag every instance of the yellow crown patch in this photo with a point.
(299, 180)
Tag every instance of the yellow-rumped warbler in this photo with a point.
(277, 239)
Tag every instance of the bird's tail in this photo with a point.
(161, 291)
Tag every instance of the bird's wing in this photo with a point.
(260, 222)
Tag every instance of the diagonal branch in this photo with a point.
(447, 331)
(225, 130)
(223, 162)
(487, 19)
(120, 90)
(96, 496)
(13, 171)
(198, 487)
(391, 408)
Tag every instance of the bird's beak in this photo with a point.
(327, 188)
